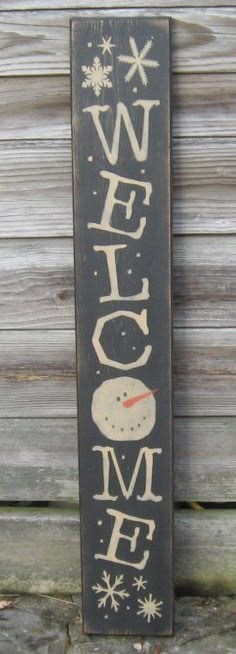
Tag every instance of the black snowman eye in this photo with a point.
(124, 394)
(106, 418)
(118, 399)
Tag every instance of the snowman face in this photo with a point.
(119, 411)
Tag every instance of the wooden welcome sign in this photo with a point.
(121, 162)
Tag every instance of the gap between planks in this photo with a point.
(36, 179)
(39, 459)
(47, 556)
(204, 373)
(41, 44)
(40, 275)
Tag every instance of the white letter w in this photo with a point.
(140, 152)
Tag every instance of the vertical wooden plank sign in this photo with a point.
(121, 150)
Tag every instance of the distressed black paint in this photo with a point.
(120, 86)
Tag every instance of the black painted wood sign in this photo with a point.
(121, 164)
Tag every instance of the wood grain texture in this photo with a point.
(38, 374)
(37, 377)
(205, 459)
(204, 104)
(36, 182)
(39, 274)
(39, 459)
(35, 107)
(30, 5)
(36, 43)
(39, 455)
(36, 187)
(46, 558)
(39, 107)
(204, 281)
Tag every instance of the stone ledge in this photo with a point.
(48, 625)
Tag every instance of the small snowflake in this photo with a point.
(139, 582)
(110, 591)
(149, 607)
(97, 76)
(106, 45)
(137, 61)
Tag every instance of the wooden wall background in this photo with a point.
(39, 546)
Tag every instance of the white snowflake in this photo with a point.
(150, 607)
(106, 45)
(138, 61)
(96, 76)
(110, 590)
(139, 582)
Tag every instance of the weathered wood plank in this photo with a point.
(205, 366)
(11, 5)
(46, 558)
(205, 551)
(37, 377)
(204, 281)
(36, 43)
(39, 107)
(36, 197)
(39, 459)
(205, 459)
(39, 273)
(204, 105)
(35, 107)
(40, 276)
(36, 193)
(38, 373)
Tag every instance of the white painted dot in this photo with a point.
(101, 540)
(98, 372)
(138, 254)
(130, 271)
(95, 193)
(99, 523)
(143, 171)
(95, 272)
(135, 90)
(123, 456)
(106, 617)
(127, 608)
(89, 44)
(123, 333)
(133, 348)
(90, 158)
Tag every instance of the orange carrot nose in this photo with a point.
(132, 400)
